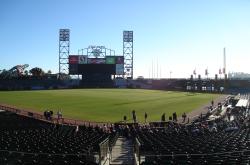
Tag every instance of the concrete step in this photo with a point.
(122, 152)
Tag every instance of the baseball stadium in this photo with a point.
(103, 101)
(94, 112)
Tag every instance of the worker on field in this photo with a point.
(163, 117)
(145, 117)
(134, 116)
(125, 118)
(175, 117)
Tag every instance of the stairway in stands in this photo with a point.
(122, 152)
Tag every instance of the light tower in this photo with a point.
(128, 54)
(64, 45)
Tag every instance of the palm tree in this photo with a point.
(26, 72)
(38, 72)
(49, 72)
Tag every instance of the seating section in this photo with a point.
(25, 140)
(221, 141)
(182, 146)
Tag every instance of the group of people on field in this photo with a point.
(48, 114)
(163, 117)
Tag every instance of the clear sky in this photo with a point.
(179, 35)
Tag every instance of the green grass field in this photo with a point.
(108, 105)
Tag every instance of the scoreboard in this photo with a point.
(81, 64)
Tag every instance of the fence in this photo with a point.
(40, 116)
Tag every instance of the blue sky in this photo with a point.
(179, 35)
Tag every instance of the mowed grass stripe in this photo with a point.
(107, 105)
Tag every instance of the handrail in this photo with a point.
(137, 150)
(103, 150)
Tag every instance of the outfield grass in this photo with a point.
(109, 105)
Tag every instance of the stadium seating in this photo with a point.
(25, 140)
(197, 143)
(182, 147)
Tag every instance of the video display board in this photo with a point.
(100, 68)
(83, 59)
(96, 60)
(110, 60)
(73, 68)
(119, 60)
(73, 59)
(81, 64)
(119, 69)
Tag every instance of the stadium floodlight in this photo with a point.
(127, 36)
(64, 34)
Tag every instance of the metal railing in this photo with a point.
(53, 119)
(137, 150)
(103, 151)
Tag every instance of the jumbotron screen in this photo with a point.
(80, 64)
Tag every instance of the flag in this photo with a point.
(194, 72)
(206, 72)
(224, 70)
(220, 71)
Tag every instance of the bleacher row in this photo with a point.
(179, 146)
(220, 141)
(25, 140)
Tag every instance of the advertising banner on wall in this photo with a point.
(83, 59)
(73, 59)
(96, 60)
(119, 69)
(110, 60)
(119, 60)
